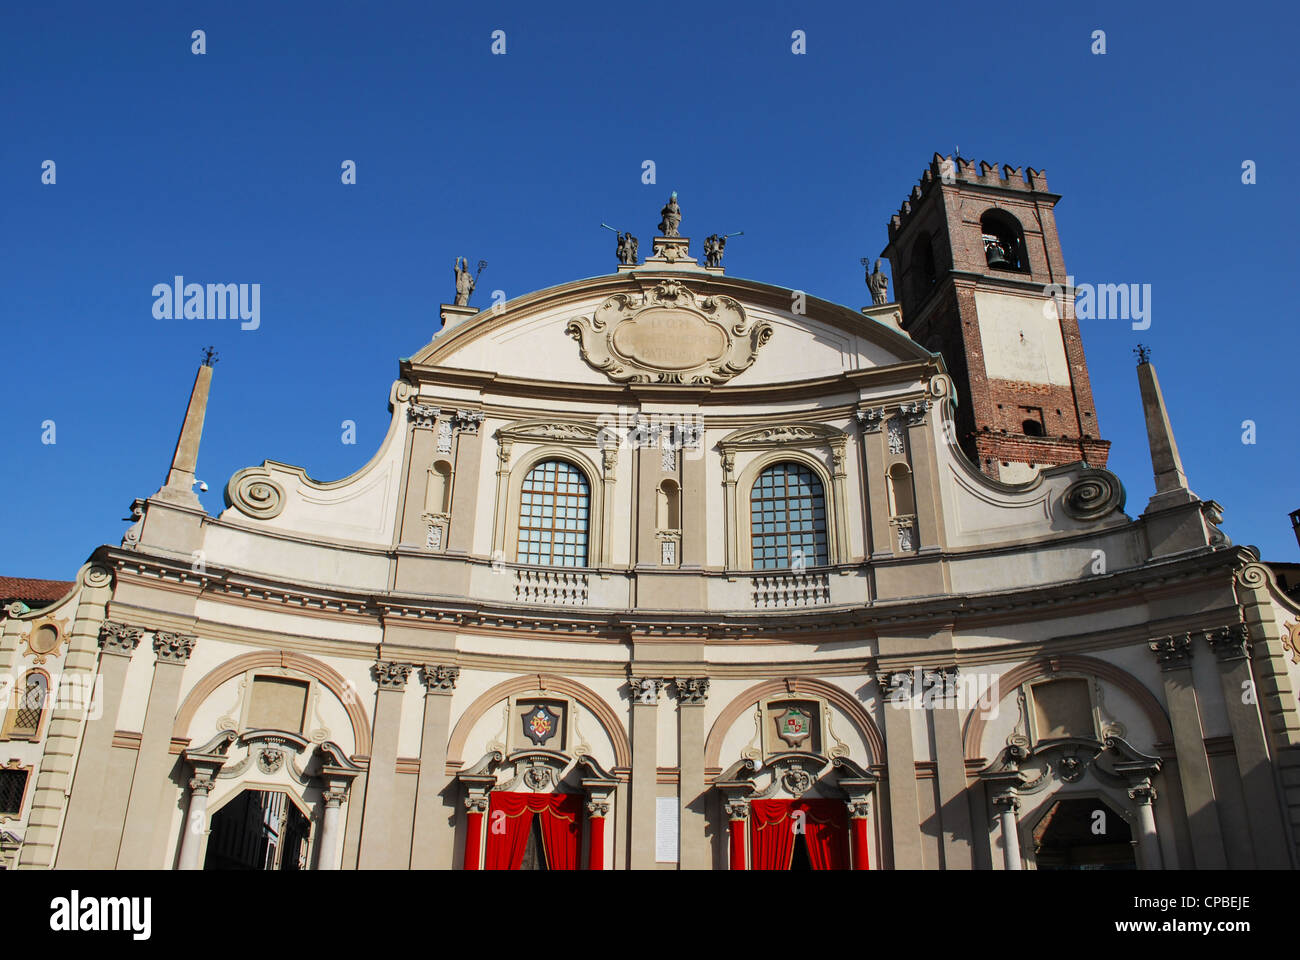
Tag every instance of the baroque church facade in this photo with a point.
(664, 569)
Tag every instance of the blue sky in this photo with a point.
(225, 167)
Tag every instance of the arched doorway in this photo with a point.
(259, 830)
(1083, 834)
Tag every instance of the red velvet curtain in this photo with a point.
(771, 839)
(826, 833)
(562, 830)
(507, 836)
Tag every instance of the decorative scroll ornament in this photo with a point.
(252, 492)
(668, 335)
(1096, 494)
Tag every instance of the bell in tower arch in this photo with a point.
(997, 254)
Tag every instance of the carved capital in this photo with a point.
(467, 421)
(1230, 643)
(334, 797)
(598, 808)
(1006, 801)
(476, 803)
(645, 690)
(173, 647)
(201, 785)
(913, 413)
(1142, 793)
(119, 639)
(870, 419)
(390, 675)
(859, 808)
(736, 809)
(693, 691)
(422, 414)
(439, 678)
(1173, 652)
(896, 684)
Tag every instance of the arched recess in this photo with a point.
(530, 683)
(597, 545)
(331, 678)
(836, 548)
(1050, 666)
(773, 688)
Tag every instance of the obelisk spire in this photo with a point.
(1166, 465)
(179, 487)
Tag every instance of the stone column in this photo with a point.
(694, 500)
(737, 811)
(608, 478)
(731, 518)
(597, 810)
(465, 485)
(1232, 649)
(900, 758)
(419, 460)
(1007, 805)
(873, 473)
(1174, 654)
(331, 830)
(476, 806)
(954, 807)
(196, 822)
(840, 499)
(381, 779)
(145, 820)
(90, 791)
(1143, 796)
(499, 534)
(645, 752)
(929, 512)
(859, 828)
(692, 695)
(433, 839)
(64, 727)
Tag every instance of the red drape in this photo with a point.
(510, 817)
(771, 839)
(595, 843)
(826, 832)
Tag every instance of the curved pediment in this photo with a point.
(794, 434)
(548, 430)
(648, 328)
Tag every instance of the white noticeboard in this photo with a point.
(666, 829)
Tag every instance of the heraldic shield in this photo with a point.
(540, 724)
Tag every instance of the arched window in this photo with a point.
(553, 507)
(1004, 241)
(787, 517)
(24, 721)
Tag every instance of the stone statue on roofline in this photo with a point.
(464, 282)
(672, 217)
(878, 283)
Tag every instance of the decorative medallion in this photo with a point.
(540, 724)
(45, 639)
(668, 335)
(538, 777)
(270, 759)
(794, 726)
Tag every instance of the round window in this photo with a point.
(45, 639)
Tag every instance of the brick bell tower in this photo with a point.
(972, 253)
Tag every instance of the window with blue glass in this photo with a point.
(553, 507)
(787, 517)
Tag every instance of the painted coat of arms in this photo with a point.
(540, 724)
(794, 726)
